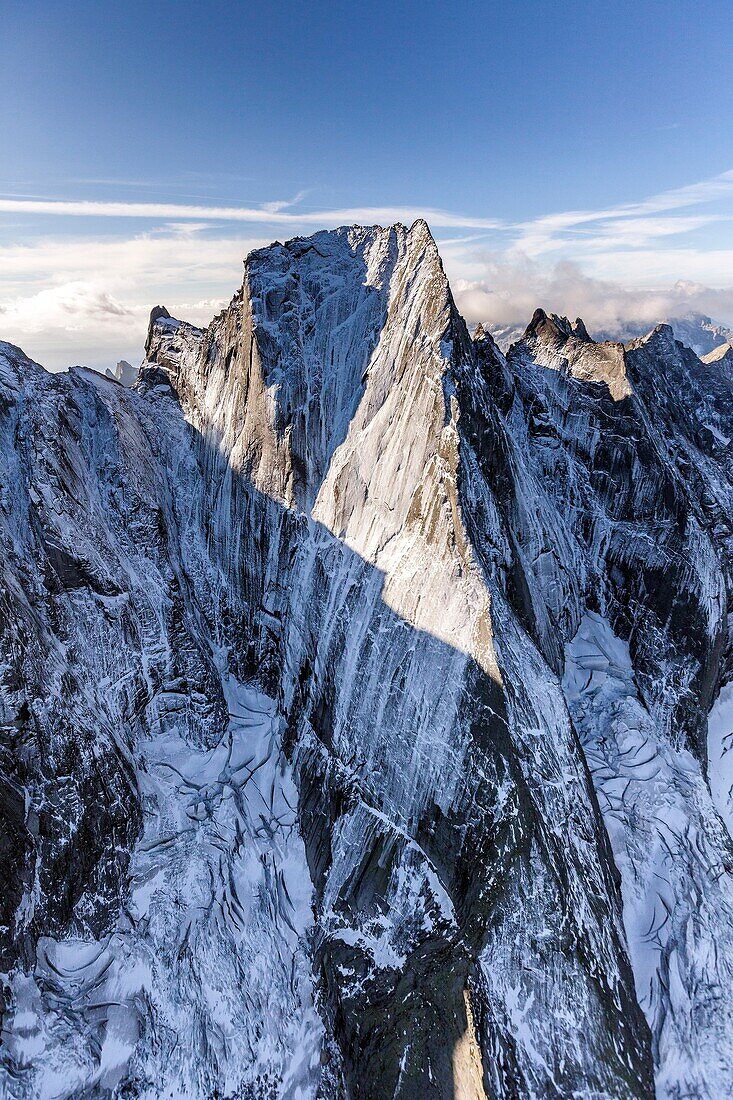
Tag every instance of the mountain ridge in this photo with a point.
(695, 330)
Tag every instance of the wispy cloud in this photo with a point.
(632, 224)
(628, 224)
(271, 213)
(283, 204)
(630, 220)
(73, 297)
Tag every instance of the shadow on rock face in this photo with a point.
(426, 808)
(421, 826)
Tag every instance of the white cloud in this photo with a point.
(89, 300)
(631, 225)
(71, 323)
(511, 290)
(71, 305)
(282, 204)
(271, 213)
(279, 212)
(81, 298)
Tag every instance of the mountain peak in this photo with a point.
(554, 341)
(722, 354)
(581, 331)
(421, 226)
(124, 373)
(554, 328)
(661, 337)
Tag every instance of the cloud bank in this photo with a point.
(511, 290)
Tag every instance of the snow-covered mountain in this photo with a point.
(363, 704)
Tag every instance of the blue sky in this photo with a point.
(574, 155)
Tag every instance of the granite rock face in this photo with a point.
(332, 656)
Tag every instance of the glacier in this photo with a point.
(364, 702)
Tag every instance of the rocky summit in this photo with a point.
(365, 703)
